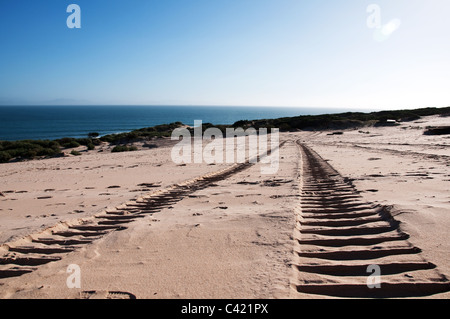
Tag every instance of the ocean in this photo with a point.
(53, 122)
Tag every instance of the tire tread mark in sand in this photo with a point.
(40, 250)
(339, 235)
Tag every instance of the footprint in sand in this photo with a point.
(45, 197)
(247, 183)
(102, 294)
(57, 204)
(149, 185)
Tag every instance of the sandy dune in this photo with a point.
(140, 226)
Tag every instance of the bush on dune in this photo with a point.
(5, 157)
(123, 148)
(28, 149)
(164, 130)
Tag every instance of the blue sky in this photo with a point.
(317, 53)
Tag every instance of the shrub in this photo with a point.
(31, 153)
(65, 140)
(96, 142)
(75, 153)
(242, 123)
(124, 148)
(285, 127)
(45, 151)
(91, 147)
(119, 149)
(72, 144)
(68, 143)
(83, 141)
(164, 130)
(5, 157)
(28, 149)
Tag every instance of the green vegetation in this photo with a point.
(164, 130)
(28, 149)
(69, 142)
(5, 157)
(75, 153)
(123, 148)
(342, 120)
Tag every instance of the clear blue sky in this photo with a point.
(318, 53)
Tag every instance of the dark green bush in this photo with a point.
(164, 130)
(96, 142)
(68, 142)
(65, 140)
(83, 141)
(285, 127)
(124, 148)
(5, 157)
(45, 151)
(120, 148)
(28, 149)
(72, 144)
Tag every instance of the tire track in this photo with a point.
(397, 152)
(56, 242)
(339, 235)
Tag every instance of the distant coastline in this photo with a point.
(123, 142)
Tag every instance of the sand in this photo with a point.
(236, 233)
